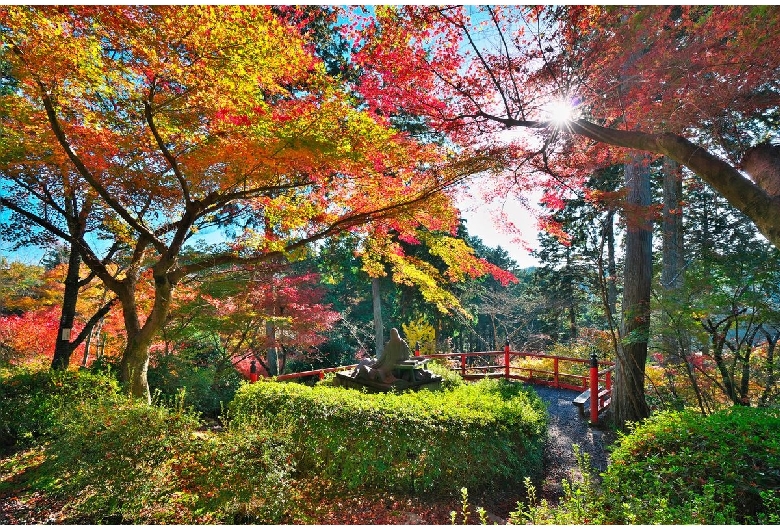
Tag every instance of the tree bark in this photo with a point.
(771, 378)
(63, 348)
(675, 340)
(744, 195)
(628, 398)
(378, 324)
(270, 346)
(611, 263)
(135, 359)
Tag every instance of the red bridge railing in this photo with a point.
(594, 376)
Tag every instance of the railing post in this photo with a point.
(594, 388)
(609, 381)
(463, 364)
(555, 373)
(253, 371)
(506, 359)
(417, 349)
(322, 375)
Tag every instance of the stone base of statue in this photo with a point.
(409, 374)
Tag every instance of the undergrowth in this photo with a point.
(75, 438)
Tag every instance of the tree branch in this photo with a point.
(164, 149)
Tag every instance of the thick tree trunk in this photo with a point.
(675, 340)
(628, 395)
(379, 326)
(746, 196)
(135, 364)
(135, 359)
(744, 383)
(725, 374)
(63, 348)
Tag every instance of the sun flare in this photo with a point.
(560, 112)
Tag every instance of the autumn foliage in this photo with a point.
(157, 123)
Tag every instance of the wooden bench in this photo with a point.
(583, 398)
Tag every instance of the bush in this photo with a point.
(680, 468)
(476, 435)
(33, 402)
(126, 461)
(450, 379)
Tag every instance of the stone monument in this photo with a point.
(393, 369)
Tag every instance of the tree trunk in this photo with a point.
(135, 359)
(771, 379)
(726, 376)
(135, 364)
(63, 348)
(270, 348)
(611, 263)
(379, 327)
(673, 258)
(675, 340)
(628, 395)
(744, 383)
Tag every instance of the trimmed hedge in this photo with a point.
(474, 436)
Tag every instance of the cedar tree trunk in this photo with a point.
(628, 394)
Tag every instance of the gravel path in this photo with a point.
(567, 427)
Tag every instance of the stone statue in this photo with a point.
(395, 351)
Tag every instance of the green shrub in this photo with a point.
(678, 468)
(126, 461)
(33, 402)
(450, 379)
(473, 435)
(682, 467)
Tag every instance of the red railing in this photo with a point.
(597, 378)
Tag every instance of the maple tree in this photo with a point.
(589, 84)
(232, 311)
(177, 120)
(21, 287)
(23, 337)
(482, 70)
(29, 326)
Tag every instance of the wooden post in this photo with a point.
(417, 349)
(594, 389)
(555, 371)
(506, 359)
(322, 375)
(463, 364)
(609, 381)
